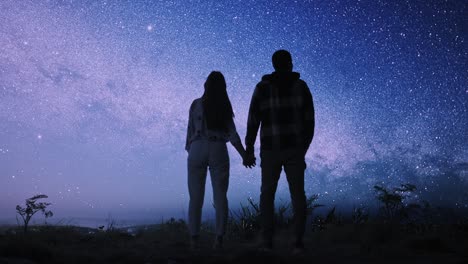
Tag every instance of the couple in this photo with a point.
(282, 105)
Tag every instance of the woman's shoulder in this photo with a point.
(196, 103)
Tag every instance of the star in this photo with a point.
(150, 28)
(112, 94)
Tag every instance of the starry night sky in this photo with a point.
(94, 98)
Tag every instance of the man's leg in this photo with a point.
(271, 170)
(294, 168)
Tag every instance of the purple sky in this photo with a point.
(94, 98)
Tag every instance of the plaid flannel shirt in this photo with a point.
(283, 106)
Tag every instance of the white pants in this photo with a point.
(205, 154)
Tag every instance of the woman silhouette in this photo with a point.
(210, 127)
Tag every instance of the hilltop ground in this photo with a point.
(167, 243)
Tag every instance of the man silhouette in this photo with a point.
(283, 106)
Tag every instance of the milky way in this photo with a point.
(94, 97)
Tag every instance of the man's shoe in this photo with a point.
(218, 244)
(298, 251)
(266, 246)
(298, 248)
(194, 243)
(265, 249)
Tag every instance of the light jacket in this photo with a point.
(197, 129)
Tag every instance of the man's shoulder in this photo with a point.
(299, 81)
(302, 83)
(267, 77)
(266, 80)
(263, 84)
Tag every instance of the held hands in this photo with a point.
(249, 160)
(248, 156)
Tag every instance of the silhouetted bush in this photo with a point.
(32, 208)
(175, 225)
(311, 204)
(360, 215)
(331, 218)
(245, 223)
(395, 208)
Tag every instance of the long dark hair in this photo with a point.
(216, 105)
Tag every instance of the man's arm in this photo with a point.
(309, 117)
(253, 122)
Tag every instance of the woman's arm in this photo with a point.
(240, 148)
(247, 160)
(189, 129)
(237, 143)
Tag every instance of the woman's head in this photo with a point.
(217, 107)
(215, 83)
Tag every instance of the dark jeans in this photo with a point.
(294, 165)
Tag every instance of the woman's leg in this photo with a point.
(219, 172)
(197, 168)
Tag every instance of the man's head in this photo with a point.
(282, 61)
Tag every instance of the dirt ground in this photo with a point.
(336, 244)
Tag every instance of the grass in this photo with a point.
(340, 241)
(408, 236)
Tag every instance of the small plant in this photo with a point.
(32, 207)
(394, 207)
(111, 224)
(360, 215)
(283, 217)
(330, 219)
(175, 225)
(311, 205)
(245, 222)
